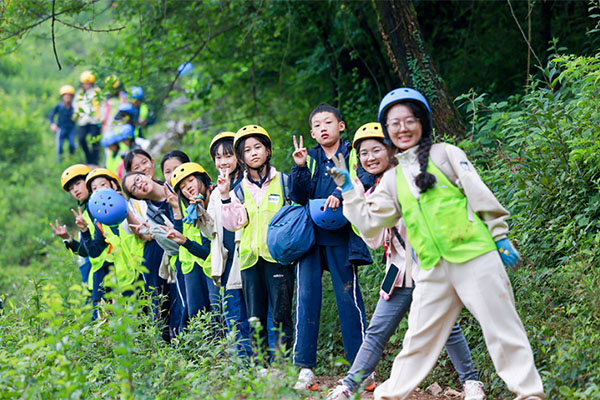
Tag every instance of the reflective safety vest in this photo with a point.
(126, 254)
(439, 224)
(114, 160)
(253, 242)
(96, 262)
(186, 258)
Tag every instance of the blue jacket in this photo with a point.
(64, 121)
(305, 185)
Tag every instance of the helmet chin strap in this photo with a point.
(259, 171)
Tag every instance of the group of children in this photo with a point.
(205, 247)
(111, 118)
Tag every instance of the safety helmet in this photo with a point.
(66, 89)
(185, 69)
(397, 96)
(137, 93)
(250, 130)
(73, 172)
(326, 218)
(112, 81)
(108, 206)
(101, 172)
(110, 139)
(185, 170)
(371, 130)
(126, 108)
(125, 131)
(218, 137)
(87, 77)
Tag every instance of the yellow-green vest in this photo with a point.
(253, 242)
(113, 160)
(438, 224)
(96, 262)
(186, 258)
(126, 254)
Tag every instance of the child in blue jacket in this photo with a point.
(340, 251)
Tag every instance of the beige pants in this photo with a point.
(482, 285)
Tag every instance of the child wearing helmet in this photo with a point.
(376, 157)
(113, 247)
(64, 127)
(337, 249)
(191, 185)
(457, 228)
(114, 97)
(153, 211)
(249, 208)
(117, 144)
(143, 115)
(72, 181)
(87, 114)
(225, 265)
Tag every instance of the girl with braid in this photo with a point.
(457, 228)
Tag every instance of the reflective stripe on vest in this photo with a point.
(126, 254)
(438, 224)
(253, 242)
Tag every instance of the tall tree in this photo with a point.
(412, 62)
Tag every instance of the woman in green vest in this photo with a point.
(457, 228)
(250, 207)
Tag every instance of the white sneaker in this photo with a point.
(340, 392)
(306, 378)
(474, 390)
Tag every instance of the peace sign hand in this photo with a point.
(223, 183)
(174, 235)
(172, 198)
(300, 154)
(79, 220)
(60, 231)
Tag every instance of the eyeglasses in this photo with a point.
(409, 123)
(136, 183)
(375, 152)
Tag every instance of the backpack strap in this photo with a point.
(239, 192)
(285, 188)
(397, 234)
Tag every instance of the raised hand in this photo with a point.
(340, 174)
(300, 152)
(172, 197)
(223, 183)
(79, 220)
(140, 229)
(174, 235)
(60, 231)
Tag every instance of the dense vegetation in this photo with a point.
(536, 146)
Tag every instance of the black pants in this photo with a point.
(270, 284)
(93, 130)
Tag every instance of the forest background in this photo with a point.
(512, 82)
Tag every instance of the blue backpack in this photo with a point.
(290, 234)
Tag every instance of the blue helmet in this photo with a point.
(108, 206)
(185, 69)
(125, 131)
(397, 96)
(110, 139)
(326, 218)
(137, 93)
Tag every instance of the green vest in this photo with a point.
(126, 254)
(96, 262)
(253, 242)
(438, 224)
(114, 160)
(186, 258)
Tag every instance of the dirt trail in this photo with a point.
(325, 383)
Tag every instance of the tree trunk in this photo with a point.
(411, 61)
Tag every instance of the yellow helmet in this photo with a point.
(73, 172)
(250, 130)
(185, 170)
(112, 81)
(101, 172)
(219, 136)
(87, 77)
(371, 130)
(67, 89)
